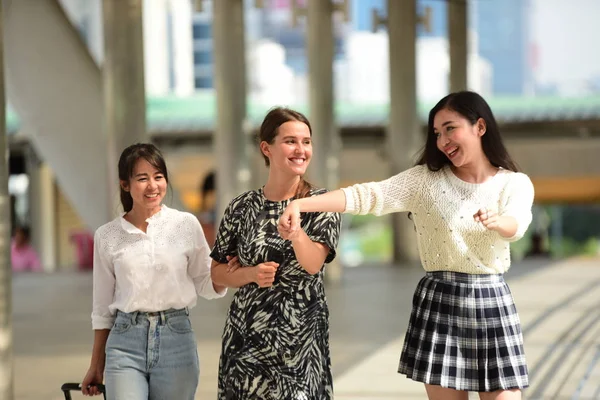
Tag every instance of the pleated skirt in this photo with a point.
(464, 333)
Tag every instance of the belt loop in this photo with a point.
(162, 318)
(187, 311)
(134, 317)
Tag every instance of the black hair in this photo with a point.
(129, 157)
(472, 107)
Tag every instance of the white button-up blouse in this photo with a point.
(166, 267)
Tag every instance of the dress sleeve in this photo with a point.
(226, 242)
(324, 228)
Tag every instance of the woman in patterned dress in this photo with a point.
(276, 337)
(467, 202)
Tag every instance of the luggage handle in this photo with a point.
(67, 388)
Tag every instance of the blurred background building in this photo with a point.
(534, 60)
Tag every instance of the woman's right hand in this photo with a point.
(264, 273)
(93, 377)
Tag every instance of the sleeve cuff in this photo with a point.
(210, 293)
(350, 203)
(218, 295)
(99, 322)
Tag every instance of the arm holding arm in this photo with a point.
(226, 248)
(262, 274)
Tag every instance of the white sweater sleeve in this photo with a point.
(519, 203)
(395, 194)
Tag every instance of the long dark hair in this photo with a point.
(129, 157)
(269, 129)
(472, 107)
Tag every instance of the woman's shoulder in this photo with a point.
(244, 198)
(517, 178)
(176, 215)
(315, 191)
(109, 227)
(416, 173)
(240, 203)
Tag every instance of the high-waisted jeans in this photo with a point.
(151, 356)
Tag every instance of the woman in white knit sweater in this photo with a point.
(467, 201)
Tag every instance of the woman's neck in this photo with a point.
(476, 172)
(279, 188)
(138, 216)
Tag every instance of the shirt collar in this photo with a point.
(130, 228)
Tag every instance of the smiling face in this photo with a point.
(147, 186)
(457, 138)
(291, 149)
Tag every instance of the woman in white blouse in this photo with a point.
(150, 264)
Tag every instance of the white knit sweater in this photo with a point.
(442, 207)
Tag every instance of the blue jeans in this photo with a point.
(151, 356)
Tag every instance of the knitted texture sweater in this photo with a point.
(443, 206)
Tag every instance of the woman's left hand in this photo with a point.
(233, 263)
(488, 218)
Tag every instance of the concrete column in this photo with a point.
(42, 198)
(403, 136)
(6, 331)
(156, 46)
(231, 141)
(123, 74)
(458, 40)
(324, 170)
(96, 31)
(183, 49)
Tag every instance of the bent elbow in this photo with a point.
(216, 277)
(313, 269)
(516, 237)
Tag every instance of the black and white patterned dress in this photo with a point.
(276, 340)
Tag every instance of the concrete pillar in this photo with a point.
(324, 169)
(458, 40)
(183, 49)
(156, 46)
(231, 140)
(123, 74)
(403, 138)
(42, 198)
(6, 332)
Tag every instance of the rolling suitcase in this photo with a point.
(67, 388)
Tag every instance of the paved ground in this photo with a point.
(558, 303)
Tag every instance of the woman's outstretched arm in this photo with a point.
(334, 201)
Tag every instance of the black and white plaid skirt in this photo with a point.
(464, 333)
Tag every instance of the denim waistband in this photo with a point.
(163, 316)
